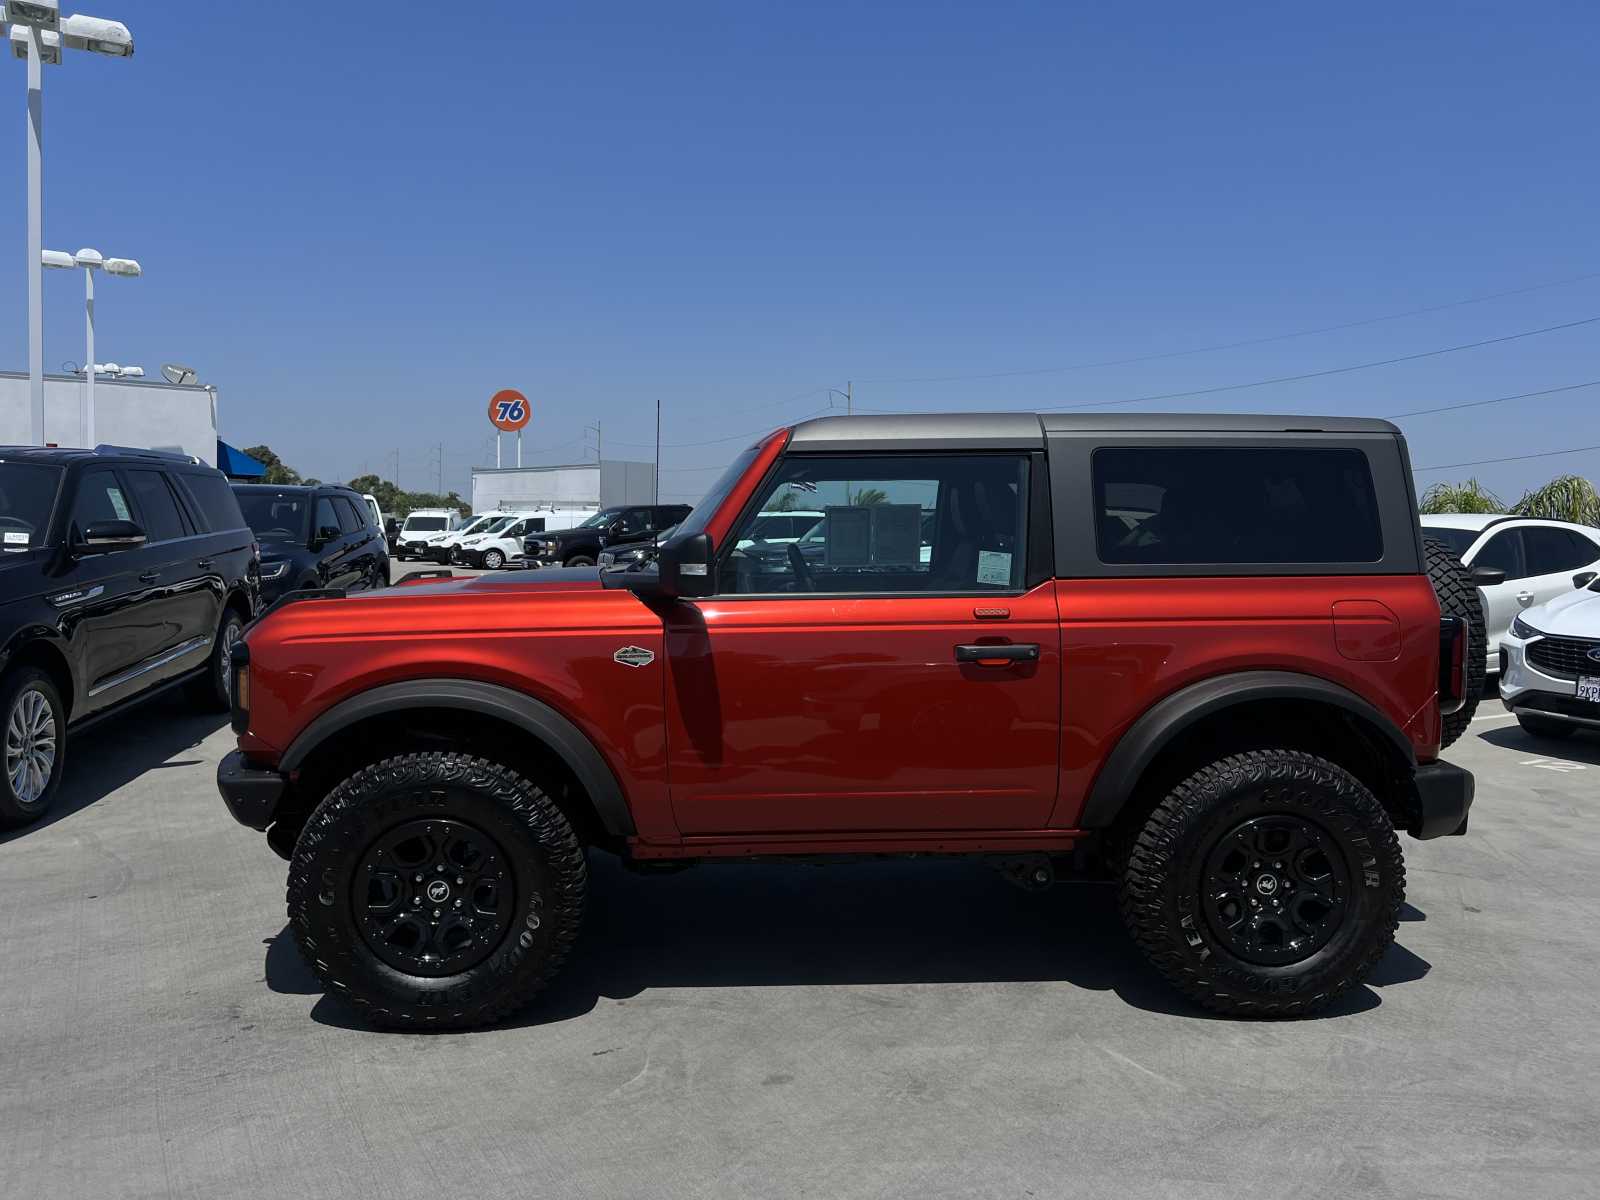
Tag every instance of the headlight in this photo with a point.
(274, 570)
(1521, 629)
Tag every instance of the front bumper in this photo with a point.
(1442, 801)
(1524, 688)
(252, 794)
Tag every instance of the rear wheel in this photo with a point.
(579, 560)
(493, 559)
(1265, 884)
(1545, 727)
(1452, 583)
(436, 890)
(33, 729)
(213, 690)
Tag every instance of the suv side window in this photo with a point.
(892, 523)
(349, 519)
(635, 520)
(1551, 551)
(214, 500)
(1235, 504)
(1503, 550)
(163, 520)
(99, 498)
(325, 524)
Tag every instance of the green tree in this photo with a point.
(1564, 498)
(398, 503)
(870, 496)
(278, 471)
(1468, 497)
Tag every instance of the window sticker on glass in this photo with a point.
(896, 534)
(994, 567)
(849, 536)
(15, 540)
(118, 504)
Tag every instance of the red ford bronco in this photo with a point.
(1208, 657)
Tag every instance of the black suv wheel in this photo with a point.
(33, 731)
(436, 889)
(1265, 884)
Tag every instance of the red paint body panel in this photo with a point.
(552, 638)
(823, 715)
(1127, 643)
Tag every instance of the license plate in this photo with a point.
(1589, 688)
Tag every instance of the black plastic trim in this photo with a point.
(251, 793)
(515, 708)
(1169, 717)
(1444, 797)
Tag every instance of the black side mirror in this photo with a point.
(1584, 578)
(685, 567)
(1487, 576)
(105, 537)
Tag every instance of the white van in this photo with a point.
(420, 526)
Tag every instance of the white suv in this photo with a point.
(1540, 560)
(1551, 678)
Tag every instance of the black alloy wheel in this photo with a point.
(1275, 888)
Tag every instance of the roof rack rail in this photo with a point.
(142, 452)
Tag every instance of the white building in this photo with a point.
(588, 486)
(147, 414)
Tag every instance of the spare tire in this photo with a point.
(1452, 583)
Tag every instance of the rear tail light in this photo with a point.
(1452, 664)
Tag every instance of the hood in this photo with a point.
(1575, 614)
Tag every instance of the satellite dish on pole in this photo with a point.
(178, 373)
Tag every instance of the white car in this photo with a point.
(1540, 560)
(1551, 678)
(782, 526)
(493, 546)
(419, 526)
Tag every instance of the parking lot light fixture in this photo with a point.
(38, 33)
(91, 260)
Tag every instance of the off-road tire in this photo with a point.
(1161, 892)
(1544, 727)
(543, 854)
(1452, 583)
(15, 811)
(579, 560)
(212, 692)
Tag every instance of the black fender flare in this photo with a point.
(1170, 716)
(516, 708)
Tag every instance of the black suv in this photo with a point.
(314, 537)
(122, 572)
(610, 527)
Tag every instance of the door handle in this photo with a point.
(998, 652)
(150, 577)
(1524, 597)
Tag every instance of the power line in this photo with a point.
(1422, 412)
(1260, 341)
(734, 436)
(1480, 462)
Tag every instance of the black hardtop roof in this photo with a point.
(1005, 430)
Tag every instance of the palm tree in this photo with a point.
(1564, 498)
(1468, 497)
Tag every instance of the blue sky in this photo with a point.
(360, 229)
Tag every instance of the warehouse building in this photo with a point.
(577, 486)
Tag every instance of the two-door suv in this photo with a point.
(1203, 655)
(122, 572)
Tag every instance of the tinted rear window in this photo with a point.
(1224, 504)
(215, 500)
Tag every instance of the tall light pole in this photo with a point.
(39, 33)
(91, 261)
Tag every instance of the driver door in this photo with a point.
(858, 685)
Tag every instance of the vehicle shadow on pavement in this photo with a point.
(1581, 747)
(876, 923)
(115, 752)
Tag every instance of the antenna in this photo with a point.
(179, 374)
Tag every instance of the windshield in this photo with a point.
(696, 521)
(426, 524)
(497, 525)
(276, 516)
(478, 524)
(604, 517)
(27, 494)
(1457, 539)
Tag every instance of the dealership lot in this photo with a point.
(884, 1029)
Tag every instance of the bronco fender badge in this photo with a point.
(634, 656)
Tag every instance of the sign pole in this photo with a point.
(496, 449)
(519, 449)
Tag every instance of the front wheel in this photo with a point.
(493, 560)
(212, 691)
(33, 727)
(436, 890)
(579, 560)
(1265, 884)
